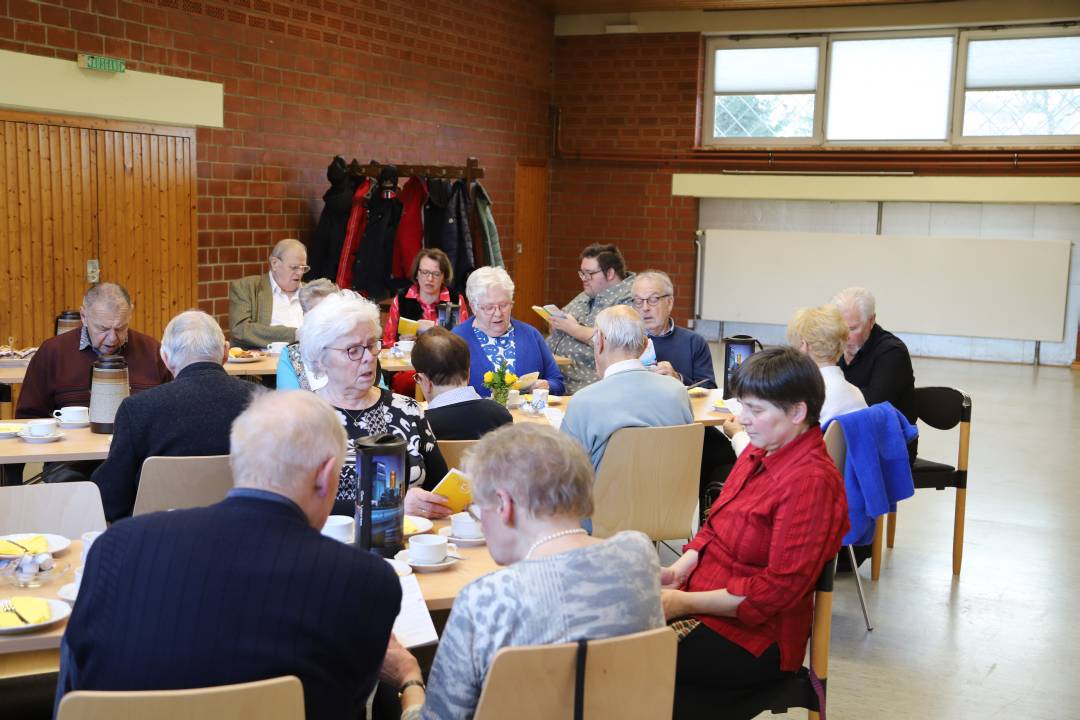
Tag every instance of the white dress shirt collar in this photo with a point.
(623, 366)
(461, 394)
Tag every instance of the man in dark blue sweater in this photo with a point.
(243, 590)
(680, 353)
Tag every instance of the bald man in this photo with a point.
(266, 308)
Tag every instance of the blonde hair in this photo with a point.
(823, 329)
(545, 471)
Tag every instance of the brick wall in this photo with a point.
(634, 94)
(424, 81)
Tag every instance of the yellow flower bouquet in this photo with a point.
(499, 382)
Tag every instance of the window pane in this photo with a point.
(764, 116)
(1029, 62)
(889, 89)
(1022, 112)
(766, 70)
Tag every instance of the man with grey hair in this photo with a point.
(628, 395)
(875, 361)
(189, 416)
(266, 308)
(243, 590)
(679, 352)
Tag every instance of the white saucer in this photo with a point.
(75, 426)
(402, 569)
(447, 562)
(461, 542)
(10, 433)
(37, 439)
(67, 593)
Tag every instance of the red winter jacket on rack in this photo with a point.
(410, 230)
(353, 232)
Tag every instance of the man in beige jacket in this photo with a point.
(266, 308)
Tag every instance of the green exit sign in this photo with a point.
(100, 62)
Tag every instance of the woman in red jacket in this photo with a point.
(741, 596)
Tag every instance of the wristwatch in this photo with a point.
(412, 683)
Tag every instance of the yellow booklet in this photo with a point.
(405, 326)
(542, 312)
(455, 487)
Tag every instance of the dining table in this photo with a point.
(704, 406)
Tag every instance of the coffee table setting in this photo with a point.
(34, 570)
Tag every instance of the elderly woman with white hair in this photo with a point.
(495, 338)
(340, 339)
(291, 373)
(532, 488)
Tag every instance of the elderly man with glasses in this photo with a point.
(680, 353)
(266, 308)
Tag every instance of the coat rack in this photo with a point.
(470, 171)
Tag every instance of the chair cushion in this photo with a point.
(930, 474)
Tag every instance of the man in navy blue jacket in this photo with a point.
(680, 353)
(243, 590)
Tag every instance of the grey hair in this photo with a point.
(284, 246)
(336, 315)
(311, 294)
(659, 277)
(622, 329)
(483, 280)
(112, 295)
(282, 438)
(545, 471)
(193, 336)
(856, 297)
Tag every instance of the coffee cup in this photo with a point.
(73, 415)
(464, 526)
(78, 579)
(276, 348)
(429, 549)
(513, 398)
(340, 528)
(539, 399)
(88, 539)
(405, 346)
(41, 428)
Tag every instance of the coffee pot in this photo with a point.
(108, 387)
(68, 320)
(382, 479)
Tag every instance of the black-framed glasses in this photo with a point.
(356, 352)
(586, 274)
(433, 274)
(651, 301)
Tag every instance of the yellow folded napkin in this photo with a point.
(35, 610)
(34, 544)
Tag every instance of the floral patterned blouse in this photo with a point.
(498, 349)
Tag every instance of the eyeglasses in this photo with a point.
(586, 274)
(356, 352)
(429, 273)
(651, 301)
(299, 268)
(501, 307)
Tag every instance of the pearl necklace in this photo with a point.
(553, 536)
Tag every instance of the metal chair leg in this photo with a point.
(858, 587)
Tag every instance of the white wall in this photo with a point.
(1009, 221)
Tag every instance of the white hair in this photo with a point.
(659, 277)
(622, 329)
(284, 246)
(111, 296)
(483, 280)
(313, 293)
(335, 316)
(858, 298)
(191, 337)
(282, 438)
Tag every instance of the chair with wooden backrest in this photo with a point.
(454, 450)
(279, 698)
(648, 481)
(632, 676)
(68, 509)
(168, 483)
(943, 408)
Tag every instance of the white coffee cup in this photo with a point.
(513, 398)
(464, 526)
(276, 348)
(340, 527)
(429, 549)
(540, 398)
(88, 539)
(405, 346)
(78, 579)
(41, 428)
(73, 415)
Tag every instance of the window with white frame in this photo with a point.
(939, 87)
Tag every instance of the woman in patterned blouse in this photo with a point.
(340, 340)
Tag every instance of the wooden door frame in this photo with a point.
(523, 313)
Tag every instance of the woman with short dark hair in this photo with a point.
(432, 277)
(741, 596)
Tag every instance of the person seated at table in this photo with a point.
(680, 353)
(266, 308)
(189, 416)
(495, 338)
(533, 488)
(340, 339)
(454, 411)
(605, 282)
(244, 590)
(628, 395)
(291, 373)
(740, 597)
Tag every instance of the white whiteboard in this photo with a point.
(978, 287)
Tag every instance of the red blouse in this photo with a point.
(431, 311)
(778, 520)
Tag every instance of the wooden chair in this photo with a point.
(648, 481)
(619, 678)
(943, 408)
(454, 450)
(168, 483)
(68, 509)
(275, 699)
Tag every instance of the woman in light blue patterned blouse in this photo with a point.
(533, 487)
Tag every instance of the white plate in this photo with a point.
(58, 610)
(75, 426)
(526, 381)
(461, 542)
(447, 562)
(56, 543)
(11, 433)
(38, 439)
(241, 360)
(402, 569)
(422, 525)
(67, 593)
